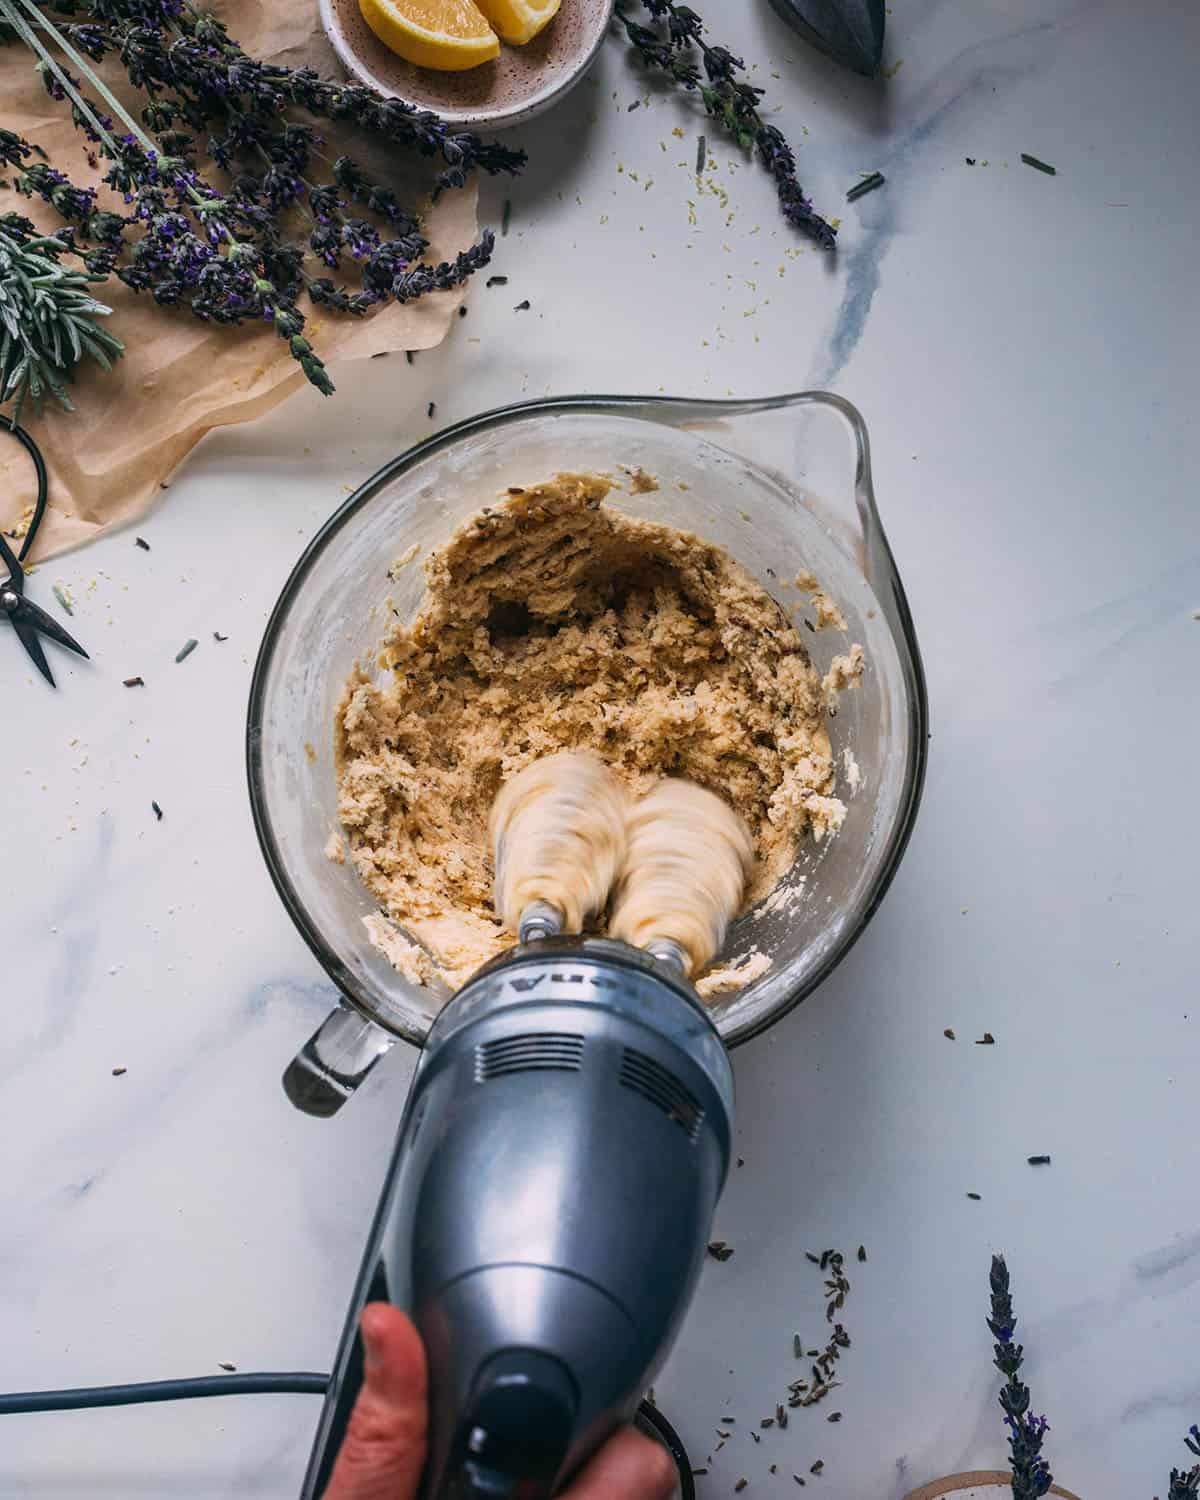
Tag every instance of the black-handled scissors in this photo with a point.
(26, 618)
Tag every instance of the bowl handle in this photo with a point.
(334, 1061)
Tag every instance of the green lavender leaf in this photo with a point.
(48, 314)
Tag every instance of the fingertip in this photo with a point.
(376, 1322)
(392, 1345)
(628, 1464)
(661, 1473)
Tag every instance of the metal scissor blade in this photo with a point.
(34, 615)
(28, 637)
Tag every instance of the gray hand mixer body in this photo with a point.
(545, 1215)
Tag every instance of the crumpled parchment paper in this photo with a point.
(180, 377)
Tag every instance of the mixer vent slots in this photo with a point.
(531, 1052)
(660, 1086)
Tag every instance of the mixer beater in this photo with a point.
(558, 837)
(687, 860)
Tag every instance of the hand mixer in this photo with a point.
(564, 1142)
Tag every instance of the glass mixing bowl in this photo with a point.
(783, 483)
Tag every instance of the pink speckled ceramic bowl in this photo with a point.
(517, 85)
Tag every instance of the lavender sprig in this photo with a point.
(221, 276)
(47, 317)
(168, 44)
(1185, 1483)
(671, 45)
(1031, 1476)
(234, 255)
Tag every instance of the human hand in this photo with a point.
(384, 1449)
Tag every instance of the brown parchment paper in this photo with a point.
(180, 377)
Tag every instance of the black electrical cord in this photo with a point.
(300, 1383)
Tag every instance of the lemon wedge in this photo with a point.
(519, 21)
(449, 35)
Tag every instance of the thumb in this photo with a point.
(384, 1448)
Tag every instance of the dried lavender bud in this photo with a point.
(867, 185)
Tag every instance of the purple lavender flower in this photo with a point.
(233, 256)
(1031, 1476)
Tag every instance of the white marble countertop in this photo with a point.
(1024, 350)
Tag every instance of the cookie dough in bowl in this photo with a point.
(779, 489)
(552, 621)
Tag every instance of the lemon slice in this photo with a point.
(449, 35)
(519, 21)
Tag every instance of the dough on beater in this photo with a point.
(687, 861)
(554, 622)
(558, 835)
